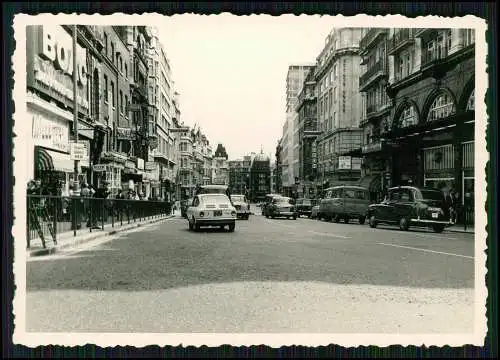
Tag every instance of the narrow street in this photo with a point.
(268, 276)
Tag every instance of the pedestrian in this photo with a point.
(100, 195)
(85, 194)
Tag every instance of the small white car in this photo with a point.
(241, 205)
(211, 210)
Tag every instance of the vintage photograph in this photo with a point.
(246, 175)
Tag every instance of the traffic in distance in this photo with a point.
(403, 206)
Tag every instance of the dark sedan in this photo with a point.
(304, 207)
(411, 206)
(281, 207)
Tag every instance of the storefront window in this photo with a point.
(471, 102)
(442, 107)
(408, 117)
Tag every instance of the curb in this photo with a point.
(461, 231)
(76, 242)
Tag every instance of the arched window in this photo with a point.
(471, 102)
(442, 107)
(408, 117)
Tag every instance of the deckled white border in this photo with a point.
(22, 128)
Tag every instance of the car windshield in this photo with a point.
(238, 198)
(214, 198)
(430, 195)
(283, 201)
(211, 190)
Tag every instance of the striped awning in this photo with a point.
(47, 160)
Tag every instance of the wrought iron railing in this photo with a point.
(48, 217)
(379, 66)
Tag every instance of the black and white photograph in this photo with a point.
(222, 179)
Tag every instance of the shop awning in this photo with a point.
(47, 160)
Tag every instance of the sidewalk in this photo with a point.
(67, 239)
(460, 229)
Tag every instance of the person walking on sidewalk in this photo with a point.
(100, 195)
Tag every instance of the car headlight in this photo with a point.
(202, 214)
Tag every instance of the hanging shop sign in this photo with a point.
(99, 167)
(79, 151)
(140, 164)
(151, 165)
(125, 133)
(50, 132)
(50, 64)
(344, 162)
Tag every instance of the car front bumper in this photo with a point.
(432, 222)
(284, 213)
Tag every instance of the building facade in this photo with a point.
(239, 175)
(308, 132)
(431, 85)
(50, 103)
(279, 168)
(160, 92)
(220, 171)
(339, 108)
(377, 107)
(290, 137)
(260, 177)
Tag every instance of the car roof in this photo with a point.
(347, 186)
(213, 186)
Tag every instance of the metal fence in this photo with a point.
(50, 216)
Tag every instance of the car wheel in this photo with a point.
(361, 220)
(404, 224)
(295, 217)
(231, 227)
(336, 218)
(346, 219)
(373, 221)
(190, 225)
(438, 228)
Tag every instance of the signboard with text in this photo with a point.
(50, 64)
(50, 132)
(344, 162)
(79, 151)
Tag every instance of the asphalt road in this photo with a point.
(268, 276)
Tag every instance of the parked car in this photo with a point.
(240, 203)
(267, 201)
(344, 202)
(211, 210)
(281, 206)
(410, 205)
(304, 207)
(184, 205)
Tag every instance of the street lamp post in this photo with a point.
(75, 103)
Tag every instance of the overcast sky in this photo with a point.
(231, 70)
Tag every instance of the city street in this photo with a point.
(268, 276)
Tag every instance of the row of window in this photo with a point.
(110, 92)
(114, 56)
(329, 79)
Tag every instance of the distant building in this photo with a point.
(239, 175)
(220, 171)
(279, 168)
(290, 138)
(260, 177)
(339, 108)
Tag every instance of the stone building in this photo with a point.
(260, 177)
(339, 107)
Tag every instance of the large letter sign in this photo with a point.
(56, 45)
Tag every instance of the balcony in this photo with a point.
(400, 40)
(370, 37)
(373, 73)
(433, 61)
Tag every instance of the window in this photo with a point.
(349, 194)
(121, 65)
(126, 104)
(112, 94)
(468, 37)
(442, 107)
(471, 102)
(106, 95)
(404, 65)
(408, 117)
(121, 102)
(126, 70)
(105, 44)
(335, 70)
(112, 55)
(335, 95)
